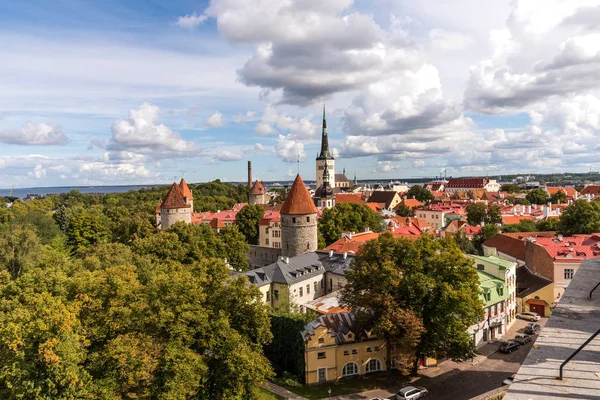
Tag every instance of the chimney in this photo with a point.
(345, 255)
(250, 174)
(330, 253)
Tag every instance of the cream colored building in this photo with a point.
(269, 230)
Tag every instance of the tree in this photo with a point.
(538, 196)
(419, 296)
(465, 244)
(558, 198)
(236, 248)
(549, 224)
(493, 214)
(486, 232)
(418, 192)
(348, 217)
(476, 213)
(510, 188)
(17, 245)
(88, 227)
(580, 217)
(405, 211)
(247, 220)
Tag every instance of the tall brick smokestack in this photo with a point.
(250, 174)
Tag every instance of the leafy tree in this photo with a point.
(493, 214)
(522, 226)
(465, 244)
(558, 198)
(549, 224)
(286, 350)
(17, 246)
(476, 213)
(43, 224)
(88, 227)
(510, 188)
(486, 232)
(348, 217)
(419, 296)
(419, 193)
(247, 220)
(405, 211)
(521, 201)
(236, 248)
(580, 217)
(538, 196)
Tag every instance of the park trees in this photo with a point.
(479, 212)
(247, 220)
(348, 217)
(538, 196)
(419, 296)
(418, 192)
(580, 217)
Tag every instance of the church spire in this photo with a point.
(325, 154)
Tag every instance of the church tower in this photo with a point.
(324, 194)
(298, 221)
(325, 158)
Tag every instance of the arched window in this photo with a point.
(350, 369)
(373, 365)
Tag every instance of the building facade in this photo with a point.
(325, 158)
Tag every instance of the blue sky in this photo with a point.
(126, 92)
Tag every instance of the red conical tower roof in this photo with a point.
(185, 189)
(175, 198)
(298, 201)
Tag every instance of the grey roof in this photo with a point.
(299, 268)
(341, 178)
(337, 325)
(528, 282)
(382, 196)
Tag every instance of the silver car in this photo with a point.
(411, 392)
(529, 316)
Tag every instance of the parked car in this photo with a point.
(529, 316)
(532, 329)
(522, 338)
(509, 380)
(509, 347)
(411, 392)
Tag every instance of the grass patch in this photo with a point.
(348, 386)
(264, 394)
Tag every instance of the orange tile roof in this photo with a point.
(298, 201)
(258, 188)
(158, 206)
(515, 219)
(185, 189)
(175, 198)
(351, 244)
(354, 198)
(216, 223)
(376, 206)
(410, 203)
(591, 190)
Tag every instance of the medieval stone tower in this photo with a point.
(258, 194)
(298, 221)
(325, 158)
(176, 207)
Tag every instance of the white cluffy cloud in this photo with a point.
(191, 21)
(289, 150)
(227, 155)
(445, 40)
(141, 134)
(34, 134)
(215, 120)
(274, 123)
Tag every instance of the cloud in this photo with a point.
(228, 156)
(191, 21)
(248, 116)
(215, 120)
(444, 40)
(141, 134)
(97, 143)
(272, 123)
(307, 49)
(38, 172)
(386, 166)
(288, 149)
(34, 135)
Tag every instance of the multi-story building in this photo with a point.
(336, 348)
(466, 184)
(269, 230)
(494, 296)
(439, 215)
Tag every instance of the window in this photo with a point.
(321, 340)
(331, 284)
(350, 369)
(267, 242)
(307, 289)
(369, 350)
(293, 220)
(301, 292)
(268, 296)
(569, 272)
(354, 351)
(377, 348)
(373, 365)
(276, 294)
(307, 219)
(322, 283)
(349, 336)
(501, 291)
(321, 355)
(315, 286)
(322, 374)
(346, 352)
(481, 267)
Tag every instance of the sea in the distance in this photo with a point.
(43, 191)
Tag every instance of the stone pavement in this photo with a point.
(286, 394)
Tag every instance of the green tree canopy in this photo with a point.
(418, 192)
(510, 188)
(486, 232)
(236, 247)
(558, 198)
(247, 220)
(580, 217)
(479, 212)
(405, 211)
(538, 196)
(348, 217)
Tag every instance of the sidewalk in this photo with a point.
(278, 390)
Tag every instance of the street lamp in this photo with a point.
(329, 392)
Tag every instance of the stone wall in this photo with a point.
(259, 256)
(298, 234)
(169, 216)
(538, 260)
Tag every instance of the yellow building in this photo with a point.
(336, 348)
(534, 293)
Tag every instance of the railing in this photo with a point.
(578, 350)
(592, 291)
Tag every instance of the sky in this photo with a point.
(118, 92)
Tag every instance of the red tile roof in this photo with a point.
(351, 243)
(410, 203)
(515, 219)
(354, 198)
(158, 206)
(591, 190)
(270, 216)
(298, 201)
(571, 248)
(216, 223)
(258, 188)
(466, 183)
(185, 189)
(175, 198)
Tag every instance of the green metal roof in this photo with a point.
(502, 263)
(490, 284)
